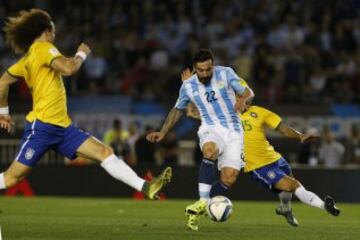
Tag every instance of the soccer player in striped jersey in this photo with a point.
(214, 90)
(266, 166)
(49, 126)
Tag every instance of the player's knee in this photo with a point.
(294, 184)
(210, 153)
(105, 152)
(11, 181)
(228, 179)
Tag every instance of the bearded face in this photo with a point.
(204, 70)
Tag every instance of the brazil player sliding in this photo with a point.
(267, 166)
(42, 66)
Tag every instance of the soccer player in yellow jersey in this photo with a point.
(49, 126)
(267, 166)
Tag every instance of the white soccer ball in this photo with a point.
(219, 208)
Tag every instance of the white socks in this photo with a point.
(308, 197)
(2, 181)
(204, 191)
(285, 200)
(118, 169)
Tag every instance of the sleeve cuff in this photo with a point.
(54, 59)
(277, 126)
(13, 75)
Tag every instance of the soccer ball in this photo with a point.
(219, 208)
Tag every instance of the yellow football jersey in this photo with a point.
(258, 151)
(45, 84)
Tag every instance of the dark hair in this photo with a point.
(22, 30)
(202, 55)
(117, 123)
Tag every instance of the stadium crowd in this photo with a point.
(289, 51)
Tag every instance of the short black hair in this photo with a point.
(22, 30)
(117, 123)
(203, 55)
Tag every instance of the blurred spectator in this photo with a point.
(117, 137)
(145, 151)
(95, 68)
(331, 152)
(131, 141)
(353, 146)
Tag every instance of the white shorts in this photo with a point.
(229, 142)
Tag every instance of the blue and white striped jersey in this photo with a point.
(214, 100)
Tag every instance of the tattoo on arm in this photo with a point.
(172, 118)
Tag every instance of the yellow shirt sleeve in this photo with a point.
(17, 69)
(272, 119)
(48, 53)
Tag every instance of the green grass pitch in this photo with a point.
(102, 218)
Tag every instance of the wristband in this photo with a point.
(81, 55)
(4, 110)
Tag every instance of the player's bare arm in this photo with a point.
(69, 66)
(5, 120)
(172, 118)
(290, 132)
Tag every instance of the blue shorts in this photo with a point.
(270, 174)
(39, 137)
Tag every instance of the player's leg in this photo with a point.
(290, 184)
(13, 175)
(230, 162)
(77, 142)
(207, 176)
(211, 146)
(285, 210)
(284, 196)
(285, 199)
(35, 141)
(228, 176)
(118, 169)
(269, 175)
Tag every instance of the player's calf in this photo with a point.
(288, 215)
(228, 176)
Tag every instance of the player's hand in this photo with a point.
(6, 122)
(240, 105)
(186, 74)
(155, 137)
(308, 137)
(192, 111)
(84, 48)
